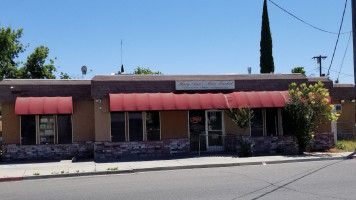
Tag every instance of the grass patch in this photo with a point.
(36, 174)
(112, 169)
(346, 145)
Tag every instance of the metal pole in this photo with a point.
(353, 7)
(319, 60)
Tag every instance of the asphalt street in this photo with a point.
(307, 180)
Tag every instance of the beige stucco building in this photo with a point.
(155, 115)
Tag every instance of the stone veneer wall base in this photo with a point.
(117, 150)
(48, 151)
(264, 144)
(323, 141)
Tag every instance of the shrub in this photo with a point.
(340, 145)
(246, 147)
(307, 108)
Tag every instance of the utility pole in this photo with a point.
(353, 8)
(318, 58)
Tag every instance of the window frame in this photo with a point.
(57, 132)
(263, 118)
(55, 129)
(35, 131)
(125, 131)
(144, 126)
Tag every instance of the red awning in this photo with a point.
(43, 105)
(171, 101)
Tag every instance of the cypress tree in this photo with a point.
(266, 57)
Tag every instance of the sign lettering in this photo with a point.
(205, 85)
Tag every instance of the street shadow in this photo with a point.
(351, 156)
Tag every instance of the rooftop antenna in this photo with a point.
(249, 70)
(122, 66)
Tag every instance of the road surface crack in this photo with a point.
(277, 187)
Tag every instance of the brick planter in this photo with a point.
(116, 150)
(265, 144)
(48, 151)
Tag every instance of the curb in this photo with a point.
(11, 179)
(95, 173)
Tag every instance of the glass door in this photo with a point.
(214, 127)
(197, 130)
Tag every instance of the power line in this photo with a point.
(309, 72)
(343, 58)
(340, 72)
(338, 36)
(320, 29)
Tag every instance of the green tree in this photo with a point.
(10, 47)
(35, 67)
(299, 70)
(64, 76)
(307, 108)
(266, 57)
(146, 71)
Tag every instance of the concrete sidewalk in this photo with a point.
(65, 168)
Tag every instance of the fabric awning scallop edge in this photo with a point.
(198, 101)
(43, 105)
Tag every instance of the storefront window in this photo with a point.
(28, 129)
(118, 127)
(135, 126)
(272, 121)
(46, 129)
(153, 126)
(257, 123)
(286, 123)
(64, 123)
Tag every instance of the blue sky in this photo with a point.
(181, 36)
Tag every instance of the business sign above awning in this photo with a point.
(205, 85)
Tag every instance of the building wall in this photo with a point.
(83, 121)
(0, 127)
(11, 124)
(174, 124)
(346, 120)
(323, 128)
(232, 129)
(102, 120)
